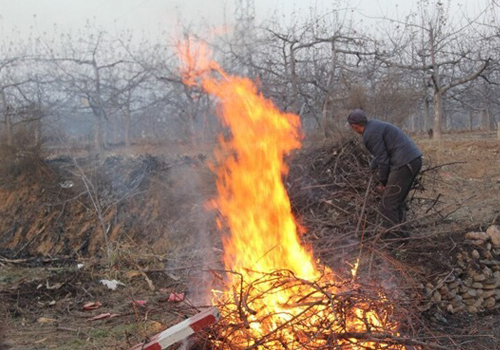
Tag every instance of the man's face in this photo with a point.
(358, 128)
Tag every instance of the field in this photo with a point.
(163, 240)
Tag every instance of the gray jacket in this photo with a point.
(390, 146)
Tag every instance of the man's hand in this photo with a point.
(381, 188)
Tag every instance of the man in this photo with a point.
(397, 158)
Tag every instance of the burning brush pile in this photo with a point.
(280, 310)
(274, 294)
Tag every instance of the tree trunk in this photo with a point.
(115, 130)
(491, 120)
(8, 129)
(329, 87)
(471, 116)
(487, 121)
(438, 114)
(127, 127)
(98, 145)
(437, 99)
(7, 119)
(38, 130)
(498, 130)
(294, 81)
(284, 87)
(427, 116)
(427, 122)
(486, 124)
(100, 136)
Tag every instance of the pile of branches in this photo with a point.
(333, 191)
(329, 313)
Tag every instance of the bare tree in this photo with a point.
(86, 71)
(449, 56)
(10, 85)
(23, 99)
(489, 89)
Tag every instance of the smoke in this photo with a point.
(193, 187)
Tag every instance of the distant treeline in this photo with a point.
(96, 89)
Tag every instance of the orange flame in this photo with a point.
(253, 201)
(252, 197)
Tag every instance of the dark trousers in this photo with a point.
(392, 205)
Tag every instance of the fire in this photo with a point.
(277, 296)
(253, 199)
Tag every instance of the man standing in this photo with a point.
(397, 158)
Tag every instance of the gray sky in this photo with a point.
(157, 16)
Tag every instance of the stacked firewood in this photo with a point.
(473, 285)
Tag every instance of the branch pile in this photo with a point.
(331, 191)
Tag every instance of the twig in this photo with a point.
(440, 166)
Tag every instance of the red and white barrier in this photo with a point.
(181, 330)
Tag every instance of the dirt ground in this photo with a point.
(472, 178)
(42, 298)
(44, 301)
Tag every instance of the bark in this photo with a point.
(427, 115)
(7, 120)
(98, 111)
(98, 144)
(286, 66)
(127, 126)
(471, 121)
(486, 119)
(115, 130)
(38, 130)
(437, 96)
(329, 87)
(425, 93)
(491, 122)
(294, 80)
(438, 114)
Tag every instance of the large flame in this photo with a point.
(255, 208)
(252, 197)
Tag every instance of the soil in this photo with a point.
(472, 178)
(44, 306)
(154, 206)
